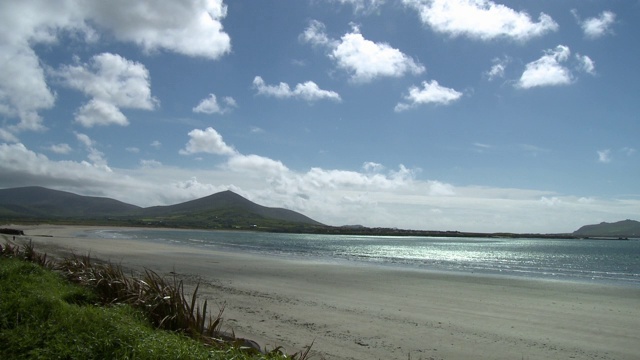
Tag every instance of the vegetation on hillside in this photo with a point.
(624, 229)
(224, 210)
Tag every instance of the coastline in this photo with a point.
(368, 312)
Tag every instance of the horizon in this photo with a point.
(349, 225)
(483, 116)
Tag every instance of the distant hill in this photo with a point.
(222, 210)
(35, 201)
(625, 229)
(224, 206)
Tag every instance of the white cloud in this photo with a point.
(207, 141)
(336, 197)
(256, 164)
(498, 68)
(25, 95)
(94, 155)
(586, 64)
(60, 148)
(597, 26)
(191, 28)
(547, 71)
(99, 112)
(550, 201)
(370, 166)
(210, 105)
(156, 144)
(365, 6)
(20, 166)
(604, 156)
(133, 150)
(8, 136)
(430, 93)
(316, 34)
(113, 82)
(363, 59)
(307, 91)
(480, 19)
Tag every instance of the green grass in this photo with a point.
(45, 316)
(42, 316)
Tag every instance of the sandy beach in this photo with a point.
(366, 312)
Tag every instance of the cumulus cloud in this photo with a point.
(498, 68)
(19, 166)
(364, 60)
(191, 28)
(112, 82)
(480, 19)
(256, 164)
(99, 112)
(586, 64)
(597, 27)
(548, 70)
(308, 91)
(207, 141)
(551, 69)
(375, 197)
(210, 105)
(430, 93)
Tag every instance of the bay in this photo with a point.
(601, 261)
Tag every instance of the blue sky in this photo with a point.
(468, 115)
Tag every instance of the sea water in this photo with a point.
(602, 261)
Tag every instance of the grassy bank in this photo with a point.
(86, 311)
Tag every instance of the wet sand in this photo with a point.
(367, 312)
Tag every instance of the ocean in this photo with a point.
(600, 261)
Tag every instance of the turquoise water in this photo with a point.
(608, 261)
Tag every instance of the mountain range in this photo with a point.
(221, 210)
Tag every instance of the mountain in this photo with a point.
(624, 229)
(230, 206)
(222, 210)
(35, 201)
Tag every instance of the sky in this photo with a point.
(468, 115)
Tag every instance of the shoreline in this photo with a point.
(508, 273)
(369, 312)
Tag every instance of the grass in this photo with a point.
(84, 310)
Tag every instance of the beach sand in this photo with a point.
(366, 312)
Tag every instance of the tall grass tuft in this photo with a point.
(163, 301)
(25, 252)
